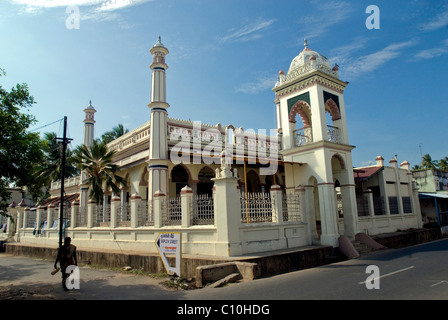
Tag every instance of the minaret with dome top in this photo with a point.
(311, 122)
(158, 145)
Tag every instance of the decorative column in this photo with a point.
(186, 195)
(158, 143)
(115, 204)
(91, 210)
(328, 212)
(159, 207)
(135, 203)
(277, 204)
(75, 213)
(368, 194)
(349, 205)
(227, 212)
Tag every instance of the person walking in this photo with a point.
(66, 257)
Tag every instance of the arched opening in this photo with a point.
(253, 182)
(300, 119)
(180, 177)
(332, 117)
(205, 183)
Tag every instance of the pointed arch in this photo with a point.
(333, 109)
(340, 159)
(304, 110)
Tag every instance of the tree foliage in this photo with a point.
(428, 163)
(97, 162)
(113, 134)
(20, 150)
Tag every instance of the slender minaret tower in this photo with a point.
(89, 124)
(158, 145)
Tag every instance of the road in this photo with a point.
(418, 272)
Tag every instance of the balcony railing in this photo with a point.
(304, 136)
(334, 134)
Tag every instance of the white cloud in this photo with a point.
(261, 84)
(248, 32)
(327, 15)
(432, 53)
(439, 21)
(355, 66)
(94, 9)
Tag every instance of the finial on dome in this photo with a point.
(305, 42)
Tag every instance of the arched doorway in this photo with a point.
(205, 183)
(180, 177)
(253, 182)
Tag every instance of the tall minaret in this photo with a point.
(89, 126)
(158, 145)
(89, 123)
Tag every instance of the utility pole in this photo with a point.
(65, 141)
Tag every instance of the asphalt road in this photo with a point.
(418, 272)
(413, 273)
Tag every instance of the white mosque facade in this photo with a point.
(230, 191)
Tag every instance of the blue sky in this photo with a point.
(223, 63)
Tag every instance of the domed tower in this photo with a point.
(312, 124)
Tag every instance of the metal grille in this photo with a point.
(145, 213)
(203, 210)
(291, 207)
(102, 215)
(81, 217)
(172, 212)
(257, 207)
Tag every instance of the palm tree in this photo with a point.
(115, 133)
(443, 164)
(97, 162)
(427, 162)
(50, 170)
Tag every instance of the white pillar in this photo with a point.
(135, 203)
(115, 204)
(227, 214)
(186, 196)
(328, 213)
(277, 204)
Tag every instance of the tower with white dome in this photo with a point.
(311, 121)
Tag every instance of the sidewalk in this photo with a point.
(24, 278)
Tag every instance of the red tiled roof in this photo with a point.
(57, 200)
(362, 174)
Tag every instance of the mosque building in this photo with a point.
(231, 191)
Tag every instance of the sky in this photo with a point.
(223, 61)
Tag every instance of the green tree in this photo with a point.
(20, 150)
(427, 162)
(442, 164)
(113, 134)
(97, 162)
